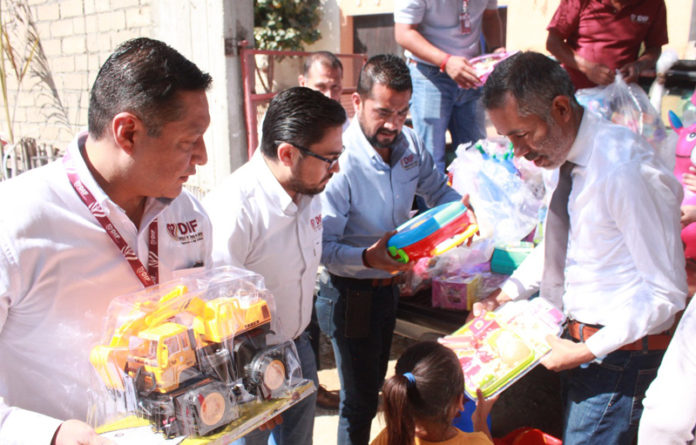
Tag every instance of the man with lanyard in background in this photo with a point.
(109, 219)
(267, 219)
(384, 167)
(440, 36)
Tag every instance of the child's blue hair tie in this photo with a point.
(411, 379)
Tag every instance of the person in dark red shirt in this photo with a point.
(594, 38)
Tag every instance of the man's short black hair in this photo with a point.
(326, 58)
(533, 79)
(386, 69)
(143, 76)
(301, 116)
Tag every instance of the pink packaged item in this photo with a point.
(455, 291)
(497, 348)
(485, 63)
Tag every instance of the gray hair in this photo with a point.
(533, 79)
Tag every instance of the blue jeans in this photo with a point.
(360, 321)
(298, 422)
(604, 400)
(439, 104)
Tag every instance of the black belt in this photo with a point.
(364, 282)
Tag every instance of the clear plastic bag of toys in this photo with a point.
(190, 358)
(628, 105)
(505, 204)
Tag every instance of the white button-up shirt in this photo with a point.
(669, 407)
(625, 263)
(58, 272)
(257, 226)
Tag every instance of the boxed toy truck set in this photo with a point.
(191, 359)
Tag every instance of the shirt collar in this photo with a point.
(76, 148)
(578, 153)
(271, 187)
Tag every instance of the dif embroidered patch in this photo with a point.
(409, 161)
(185, 232)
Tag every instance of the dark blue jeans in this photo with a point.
(438, 104)
(360, 321)
(604, 400)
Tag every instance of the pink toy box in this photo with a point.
(455, 291)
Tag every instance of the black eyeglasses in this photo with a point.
(332, 162)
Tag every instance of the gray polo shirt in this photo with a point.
(438, 22)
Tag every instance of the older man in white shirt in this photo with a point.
(612, 257)
(267, 218)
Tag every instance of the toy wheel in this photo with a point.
(268, 371)
(274, 375)
(212, 409)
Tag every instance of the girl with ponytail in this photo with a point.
(422, 398)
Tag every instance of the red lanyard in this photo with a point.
(149, 276)
(465, 18)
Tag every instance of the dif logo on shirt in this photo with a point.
(315, 222)
(185, 232)
(638, 18)
(408, 162)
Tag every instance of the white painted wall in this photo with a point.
(198, 29)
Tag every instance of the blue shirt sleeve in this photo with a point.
(335, 204)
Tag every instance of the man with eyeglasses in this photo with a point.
(384, 167)
(267, 218)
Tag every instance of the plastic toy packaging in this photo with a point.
(190, 357)
(455, 291)
(416, 278)
(448, 274)
(498, 348)
(459, 291)
(463, 276)
(485, 64)
(506, 206)
(628, 105)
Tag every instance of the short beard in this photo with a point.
(373, 139)
(557, 142)
(377, 144)
(296, 185)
